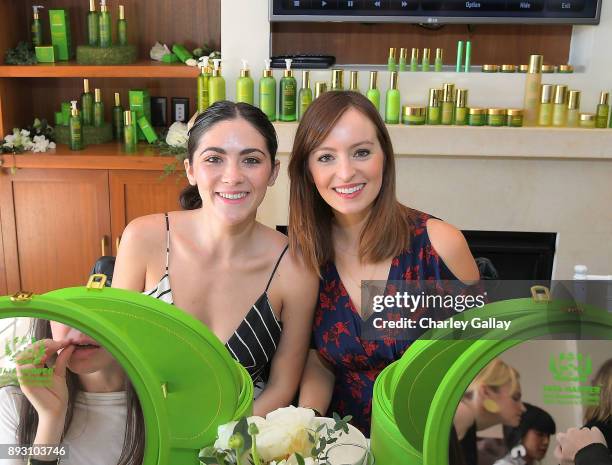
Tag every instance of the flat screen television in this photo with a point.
(439, 11)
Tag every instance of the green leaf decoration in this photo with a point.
(300, 459)
(242, 427)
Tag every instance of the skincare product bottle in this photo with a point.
(566, 69)
(244, 85)
(439, 60)
(105, 25)
(117, 118)
(603, 110)
(122, 36)
(560, 106)
(461, 110)
(468, 56)
(93, 25)
(36, 26)
(587, 120)
(98, 109)
(548, 69)
(203, 79)
(337, 82)
(477, 117)
(413, 116)
(391, 63)
(373, 94)
(392, 106)
(425, 62)
(305, 94)
(320, 88)
(508, 68)
(129, 132)
(573, 109)
(414, 60)
(287, 107)
(402, 59)
(489, 68)
(216, 84)
(533, 81)
(87, 103)
(76, 130)
(459, 56)
(497, 117)
(354, 81)
(515, 117)
(448, 104)
(433, 107)
(267, 93)
(546, 113)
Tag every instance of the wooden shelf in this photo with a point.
(103, 157)
(140, 69)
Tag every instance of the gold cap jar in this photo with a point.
(490, 68)
(414, 111)
(434, 98)
(574, 100)
(586, 118)
(560, 94)
(535, 64)
(449, 93)
(305, 79)
(337, 79)
(496, 111)
(514, 112)
(461, 97)
(547, 93)
(477, 111)
(566, 69)
(508, 68)
(320, 88)
(548, 68)
(373, 79)
(604, 98)
(523, 68)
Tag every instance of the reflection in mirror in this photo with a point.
(61, 388)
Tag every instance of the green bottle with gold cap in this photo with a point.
(425, 61)
(373, 94)
(559, 118)
(392, 102)
(391, 63)
(244, 85)
(603, 110)
(433, 107)
(448, 104)
(287, 108)
(545, 116)
(305, 94)
(403, 59)
(105, 25)
(76, 129)
(461, 110)
(414, 60)
(117, 118)
(93, 25)
(122, 35)
(267, 93)
(98, 109)
(87, 102)
(573, 109)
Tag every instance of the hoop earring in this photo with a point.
(490, 406)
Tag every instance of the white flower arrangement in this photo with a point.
(177, 135)
(21, 140)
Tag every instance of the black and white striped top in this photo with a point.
(255, 340)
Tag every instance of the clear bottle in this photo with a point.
(87, 104)
(105, 25)
(433, 107)
(130, 137)
(392, 106)
(461, 110)
(533, 81)
(337, 82)
(354, 81)
(414, 60)
(93, 25)
(448, 104)
(117, 118)
(203, 79)
(573, 109)
(425, 61)
(98, 109)
(122, 27)
(267, 93)
(305, 94)
(287, 107)
(216, 84)
(373, 94)
(76, 129)
(36, 26)
(560, 107)
(245, 88)
(391, 62)
(603, 110)
(402, 59)
(546, 110)
(439, 60)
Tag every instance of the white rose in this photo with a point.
(284, 432)
(177, 135)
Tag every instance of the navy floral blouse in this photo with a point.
(337, 328)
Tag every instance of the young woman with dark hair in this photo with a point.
(88, 405)
(347, 223)
(217, 262)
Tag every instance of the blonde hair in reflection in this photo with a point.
(603, 411)
(495, 375)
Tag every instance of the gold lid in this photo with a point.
(587, 117)
(337, 79)
(103, 7)
(514, 112)
(373, 79)
(490, 68)
(477, 111)
(508, 68)
(604, 98)
(535, 64)
(305, 79)
(547, 93)
(267, 73)
(496, 111)
(216, 72)
(403, 53)
(439, 54)
(92, 5)
(413, 111)
(121, 12)
(440, 94)
(127, 117)
(85, 85)
(566, 69)
(286, 73)
(434, 98)
(393, 80)
(461, 98)
(548, 68)
(245, 72)
(392, 52)
(426, 54)
(354, 80)
(415, 54)
(523, 68)
(117, 99)
(320, 88)
(97, 95)
(560, 94)
(574, 100)
(449, 93)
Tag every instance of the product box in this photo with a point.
(140, 103)
(147, 129)
(46, 53)
(60, 33)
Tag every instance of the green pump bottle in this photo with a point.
(36, 27)
(98, 109)
(122, 27)
(373, 94)
(203, 82)
(287, 108)
(305, 94)
(118, 118)
(87, 104)
(244, 85)
(267, 93)
(76, 130)
(93, 25)
(216, 84)
(392, 107)
(105, 25)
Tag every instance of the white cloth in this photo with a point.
(96, 433)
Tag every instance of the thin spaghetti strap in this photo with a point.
(167, 241)
(276, 266)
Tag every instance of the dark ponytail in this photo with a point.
(221, 111)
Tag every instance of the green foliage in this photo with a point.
(40, 127)
(23, 54)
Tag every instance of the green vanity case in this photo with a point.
(186, 381)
